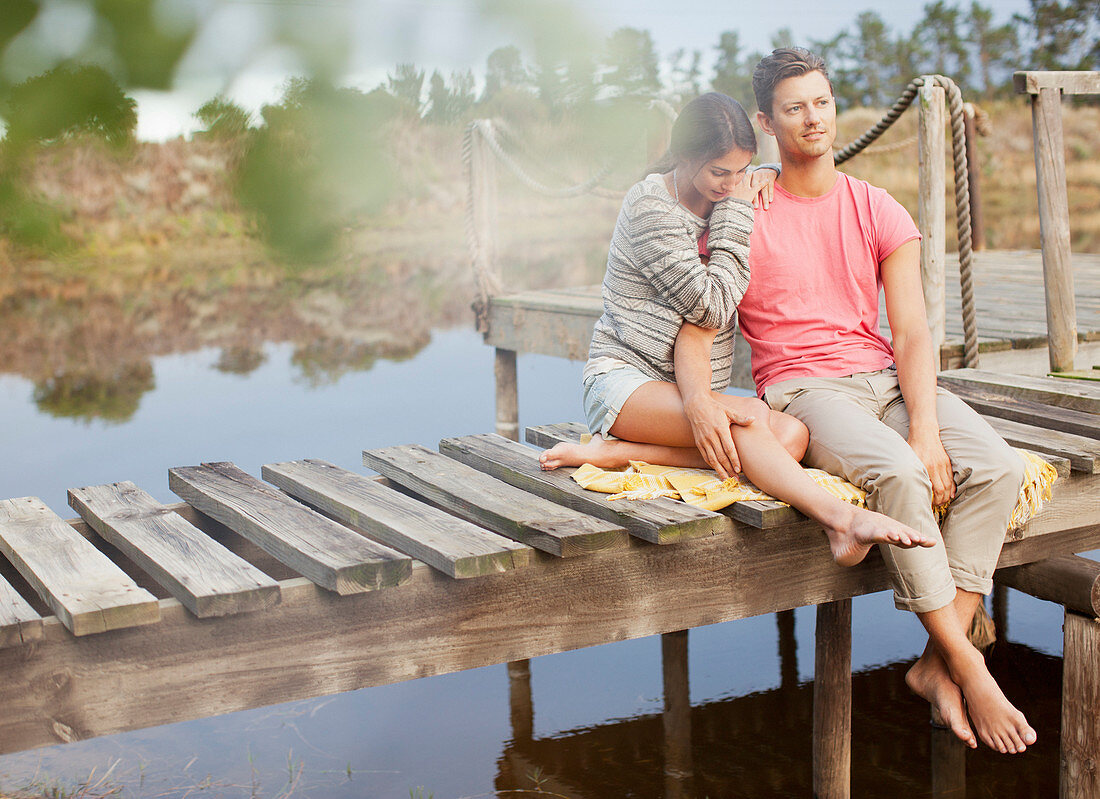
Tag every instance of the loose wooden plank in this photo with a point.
(204, 576)
(87, 592)
(453, 546)
(764, 514)
(661, 521)
(1036, 414)
(486, 501)
(19, 624)
(1078, 395)
(1082, 453)
(318, 548)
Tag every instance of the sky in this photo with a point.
(234, 55)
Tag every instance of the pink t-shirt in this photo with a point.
(812, 305)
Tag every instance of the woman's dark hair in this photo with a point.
(707, 128)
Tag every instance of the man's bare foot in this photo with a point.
(999, 724)
(930, 680)
(598, 452)
(860, 529)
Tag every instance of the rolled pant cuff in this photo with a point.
(968, 581)
(929, 602)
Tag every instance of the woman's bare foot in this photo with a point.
(859, 529)
(930, 680)
(597, 451)
(999, 724)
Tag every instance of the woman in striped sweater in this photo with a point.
(680, 253)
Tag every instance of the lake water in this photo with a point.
(597, 725)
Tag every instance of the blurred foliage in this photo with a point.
(147, 39)
(318, 161)
(223, 119)
(91, 394)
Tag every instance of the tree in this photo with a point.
(223, 119)
(1064, 36)
(870, 54)
(504, 69)
(632, 65)
(733, 70)
(997, 50)
(448, 104)
(686, 73)
(407, 84)
(940, 35)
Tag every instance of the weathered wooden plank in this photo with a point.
(19, 623)
(1082, 453)
(1080, 749)
(1037, 414)
(1069, 82)
(658, 521)
(1075, 394)
(1068, 580)
(79, 583)
(491, 503)
(204, 576)
(316, 547)
(764, 514)
(314, 643)
(445, 542)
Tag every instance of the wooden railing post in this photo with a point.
(932, 209)
(833, 700)
(1046, 90)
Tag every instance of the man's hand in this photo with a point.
(936, 462)
(710, 425)
(764, 180)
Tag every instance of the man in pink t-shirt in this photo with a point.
(819, 257)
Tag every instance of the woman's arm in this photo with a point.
(710, 420)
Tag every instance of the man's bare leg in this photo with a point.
(654, 428)
(952, 675)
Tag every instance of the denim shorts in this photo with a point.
(605, 394)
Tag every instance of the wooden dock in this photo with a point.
(318, 580)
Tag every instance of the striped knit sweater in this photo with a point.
(655, 280)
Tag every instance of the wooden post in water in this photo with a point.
(948, 764)
(833, 700)
(1046, 89)
(931, 212)
(1080, 774)
(521, 704)
(679, 767)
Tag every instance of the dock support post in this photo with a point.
(679, 767)
(948, 765)
(788, 650)
(507, 389)
(1080, 772)
(833, 700)
(520, 701)
(1050, 171)
(932, 209)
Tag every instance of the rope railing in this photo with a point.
(488, 284)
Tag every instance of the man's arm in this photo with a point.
(710, 420)
(913, 353)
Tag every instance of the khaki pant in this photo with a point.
(858, 427)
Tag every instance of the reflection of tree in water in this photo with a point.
(84, 394)
(325, 360)
(240, 359)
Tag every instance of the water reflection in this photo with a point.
(759, 745)
(91, 394)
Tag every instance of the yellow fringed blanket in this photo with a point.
(702, 488)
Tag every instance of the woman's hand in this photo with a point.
(936, 462)
(710, 425)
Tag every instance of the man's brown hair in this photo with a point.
(785, 62)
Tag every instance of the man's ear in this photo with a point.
(765, 123)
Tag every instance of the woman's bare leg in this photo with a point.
(653, 421)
